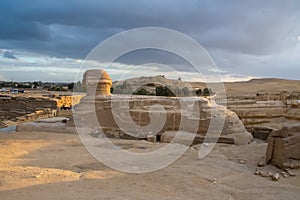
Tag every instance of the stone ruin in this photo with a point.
(284, 147)
(129, 117)
(97, 82)
(140, 117)
(16, 109)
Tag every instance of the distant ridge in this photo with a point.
(250, 87)
(270, 80)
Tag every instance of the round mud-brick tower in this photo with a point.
(97, 82)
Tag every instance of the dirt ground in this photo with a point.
(57, 166)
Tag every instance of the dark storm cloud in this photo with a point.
(9, 54)
(71, 28)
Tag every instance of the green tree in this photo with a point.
(164, 91)
(141, 91)
(55, 88)
(186, 91)
(70, 86)
(208, 92)
(198, 92)
(159, 90)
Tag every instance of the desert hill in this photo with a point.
(264, 85)
(245, 88)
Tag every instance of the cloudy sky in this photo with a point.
(48, 40)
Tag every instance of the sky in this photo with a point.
(49, 40)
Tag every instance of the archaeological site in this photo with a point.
(253, 139)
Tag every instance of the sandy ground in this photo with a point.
(57, 166)
(270, 86)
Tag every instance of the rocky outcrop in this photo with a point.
(284, 147)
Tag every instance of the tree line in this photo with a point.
(165, 91)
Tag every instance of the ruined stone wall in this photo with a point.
(192, 117)
(262, 117)
(26, 104)
(16, 109)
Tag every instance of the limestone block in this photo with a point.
(182, 137)
(284, 147)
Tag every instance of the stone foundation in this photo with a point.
(16, 109)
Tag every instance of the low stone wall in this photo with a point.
(12, 118)
(46, 113)
(17, 109)
(26, 104)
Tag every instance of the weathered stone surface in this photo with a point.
(276, 177)
(261, 163)
(284, 174)
(182, 113)
(260, 132)
(16, 109)
(123, 116)
(265, 173)
(97, 82)
(188, 138)
(284, 147)
(151, 138)
(262, 116)
(27, 104)
(180, 137)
